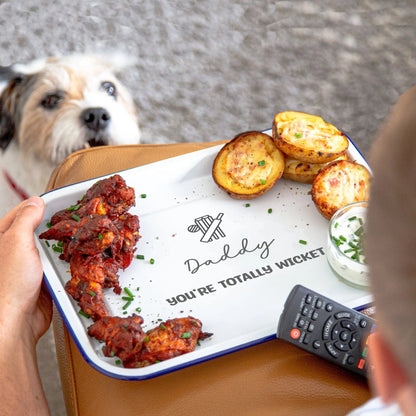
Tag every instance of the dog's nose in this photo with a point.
(95, 118)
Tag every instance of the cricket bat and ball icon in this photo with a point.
(209, 226)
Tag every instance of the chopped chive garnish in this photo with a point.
(359, 231)
(336, 225)
(47, 243)
(82, 198)
(349, 250)
(128, 291)
(342, 238)
(269, 210)
(262, 181)
(81, 312)
(128, 298)
(140, 257)
(112, 354)
(146, 339)
(127, 305)
(298, 135)
(247, 205)
(152, 261)
(57, 249)
(118, 362)
(125, 313)
(336, 241)
(100, 237)
(138, 309)
(162, 326)
(76, 218)
(60, 244)
(160, 320)
(92, 293)
(74, 207)
(352, 218)
(186, 335)
(48, 224)
(261, 162)
(143, 196)
(302, 242)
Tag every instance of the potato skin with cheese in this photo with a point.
(248, 166)
(340, 183)
(304, 172)
(308, 138)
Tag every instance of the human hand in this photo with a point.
(25, 305)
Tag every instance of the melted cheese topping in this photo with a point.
(305, 133)
(242, 163)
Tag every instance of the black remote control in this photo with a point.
(324, 327)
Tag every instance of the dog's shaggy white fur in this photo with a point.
(53, 107)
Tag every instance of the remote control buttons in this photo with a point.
(341, 315)
(295, 333)
(329, 307)
(361, 364)
(326, 331)
(316, 344)
(350, 360)
(331, 349)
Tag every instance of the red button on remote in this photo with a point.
(295, 333)
(361, 364)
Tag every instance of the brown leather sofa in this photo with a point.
(273, 378)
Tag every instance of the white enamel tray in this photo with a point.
(230, 265)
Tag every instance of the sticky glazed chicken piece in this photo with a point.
(98, 268)
(128, 227)
(123, 337)
(170, 339)
(115, 195)
(95, 234)
(110, 196)
(61, 231)
(86, 285)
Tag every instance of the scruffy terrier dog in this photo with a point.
(53, 107)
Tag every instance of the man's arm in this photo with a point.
(25, 311)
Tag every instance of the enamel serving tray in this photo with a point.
(227, 262)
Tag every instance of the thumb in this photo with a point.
(28, 217)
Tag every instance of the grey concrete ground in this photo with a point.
(208, 70)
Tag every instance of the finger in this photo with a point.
(28, 217)
(8, 218)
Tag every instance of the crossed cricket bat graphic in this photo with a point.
(209, 226)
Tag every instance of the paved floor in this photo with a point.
(207, 70)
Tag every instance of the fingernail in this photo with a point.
(34, 201)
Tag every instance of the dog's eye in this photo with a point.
(51, 101)
(109, 88)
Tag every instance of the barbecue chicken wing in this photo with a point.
(110, 196)
(170, 339)
(123, 337)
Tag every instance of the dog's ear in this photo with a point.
(8, 101)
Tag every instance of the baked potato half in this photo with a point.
(304, 172)
(248, 166)
(307, 137)
(338, 184)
